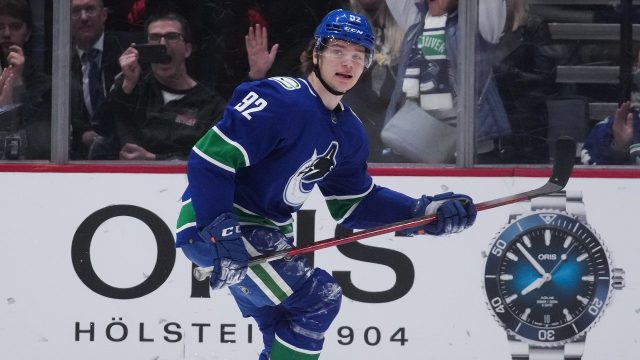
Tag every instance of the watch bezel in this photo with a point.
(576, 328)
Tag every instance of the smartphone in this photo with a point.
(152, 53)
(12, 147)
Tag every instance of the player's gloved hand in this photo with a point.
(230, 259)
(455, 212)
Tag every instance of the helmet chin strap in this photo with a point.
(316, 70)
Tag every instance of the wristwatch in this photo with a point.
(548, 278)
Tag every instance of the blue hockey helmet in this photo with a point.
(348, 26)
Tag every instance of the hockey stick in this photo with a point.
(562, 167)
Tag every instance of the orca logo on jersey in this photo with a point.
(311, 171)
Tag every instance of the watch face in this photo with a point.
(547, 278)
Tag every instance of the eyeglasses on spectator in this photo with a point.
(90, 11)
(155, 38)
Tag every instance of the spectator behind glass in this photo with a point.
(370, 97)
(525, 74)
(25, 92)
(290, 23)
(259, 55)
(93, 67)
(204, 20)
(616, 139)
(219, 59)
(161, 114)
(426, 76)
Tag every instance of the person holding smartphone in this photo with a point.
(25, 91)
(159, 114)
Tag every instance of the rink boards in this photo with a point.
(87, 270)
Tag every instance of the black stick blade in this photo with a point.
(563, 162)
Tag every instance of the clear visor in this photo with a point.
(343, 50)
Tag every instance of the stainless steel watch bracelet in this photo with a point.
(569, 201)
(523, 351)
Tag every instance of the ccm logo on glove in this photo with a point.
(230, 231)
(224, 227)
(228, 257)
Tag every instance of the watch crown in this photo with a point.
(617, 278)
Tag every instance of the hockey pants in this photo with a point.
(292, 303)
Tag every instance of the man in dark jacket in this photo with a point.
(94, 66)
(160, 115)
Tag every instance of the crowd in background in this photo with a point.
(129, 102)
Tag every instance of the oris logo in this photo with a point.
(83, 258)
(547, 257)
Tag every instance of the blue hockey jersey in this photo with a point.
(274, 144)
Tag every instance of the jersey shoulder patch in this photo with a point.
(288, 83)
(279, 89)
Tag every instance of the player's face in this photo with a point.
(341, 63)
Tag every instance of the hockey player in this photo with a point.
(278, 139)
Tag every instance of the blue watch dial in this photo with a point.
(547, 277)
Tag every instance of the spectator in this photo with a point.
(426, 76)
(290, 24)
(25, 92)
(219, 59)
(259, 55)
(525, 75)
(204, 20)
(93, 68)
(615, 140)
(160, 114)
(370, 97)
